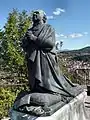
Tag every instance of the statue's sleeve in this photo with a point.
(49, 39)
(46, 39)
(26, 41)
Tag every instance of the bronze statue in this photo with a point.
(39, 46)
(49, 89)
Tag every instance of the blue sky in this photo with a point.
(70, 18)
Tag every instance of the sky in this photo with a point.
(69, 18)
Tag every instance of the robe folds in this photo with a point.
(43, 70)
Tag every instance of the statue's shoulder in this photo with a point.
(49, 26)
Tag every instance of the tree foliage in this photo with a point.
(11, 54)
(7, 98)
(12, 58)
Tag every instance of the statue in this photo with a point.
(49, 89)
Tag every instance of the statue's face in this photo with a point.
(36, 17)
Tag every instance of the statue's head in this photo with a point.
(39, 15)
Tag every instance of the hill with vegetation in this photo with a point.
(72, 60)
(82, 50)
(78, 55)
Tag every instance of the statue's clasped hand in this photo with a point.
(31, 36)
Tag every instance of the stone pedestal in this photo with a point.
(74, 110)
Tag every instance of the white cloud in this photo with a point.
(50, 17)
(58, 11)
(79, 35)
(57, 35)
(65, 37)
(85, 33)
(75, 35)
(61, 35)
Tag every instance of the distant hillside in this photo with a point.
(85, 50)
(80, 54)
(85, 58)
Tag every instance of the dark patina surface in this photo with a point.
(50, 89)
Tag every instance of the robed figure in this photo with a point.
(43, 71)
(49, 88)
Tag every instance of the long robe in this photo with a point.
(43, 70)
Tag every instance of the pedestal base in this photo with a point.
(74, 110)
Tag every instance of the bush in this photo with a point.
(7, 97)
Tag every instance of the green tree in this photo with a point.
(12, 58)
(12, 54)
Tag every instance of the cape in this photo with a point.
(43, 69)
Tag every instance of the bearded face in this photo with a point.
(37, 17)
